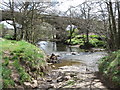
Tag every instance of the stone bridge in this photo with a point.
(60, 23)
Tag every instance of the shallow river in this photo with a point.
(76, 70)
(71, 55)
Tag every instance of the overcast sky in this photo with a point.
(65, 4)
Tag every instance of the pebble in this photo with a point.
(67, 78)
(60, 77)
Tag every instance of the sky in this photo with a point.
(65, 4)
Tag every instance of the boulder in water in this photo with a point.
(52, 58)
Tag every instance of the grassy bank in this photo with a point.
(21, 62)
(94, 40)
(110, 67)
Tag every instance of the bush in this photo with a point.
(75, 41)
(97, 43)
(9, 37)
(93, 39)
(94, 36)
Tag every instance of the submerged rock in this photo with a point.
(74, 53)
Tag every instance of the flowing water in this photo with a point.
(71, 55)
(75, 70)
(53, 47)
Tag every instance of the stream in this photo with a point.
(76, 69)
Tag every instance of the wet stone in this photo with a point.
(49, 80)
(60, 79)
(67, 78)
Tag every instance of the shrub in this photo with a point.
(9, 37)
(93, 39)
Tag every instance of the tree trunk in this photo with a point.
(15, 29)
(87, 36)
(118, 7)
(13, 19)
(70, 34)
(113, 25)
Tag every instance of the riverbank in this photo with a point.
(109, 67)
(22, 64)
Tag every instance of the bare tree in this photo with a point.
(118, 9)
(11, 7)
(113, 29)
(85, 9)
(29, 17)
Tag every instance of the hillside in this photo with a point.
(22, 63)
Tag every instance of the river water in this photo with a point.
(72, 55)
(76, 69)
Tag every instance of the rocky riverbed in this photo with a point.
(78, 72)
(76, 76)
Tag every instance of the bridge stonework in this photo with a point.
(61, 22)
